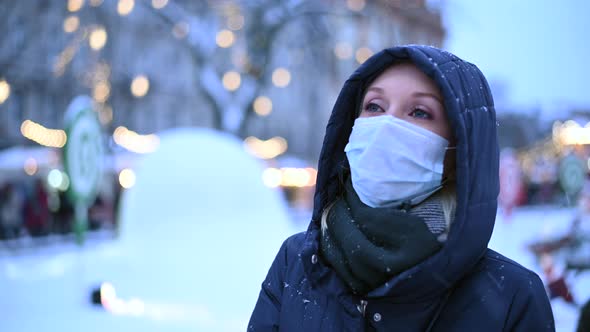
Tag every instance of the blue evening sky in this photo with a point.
(539, 50)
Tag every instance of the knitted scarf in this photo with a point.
(367, 246)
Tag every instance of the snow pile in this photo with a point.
(198, 233)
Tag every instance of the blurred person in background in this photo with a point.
(11, 204)
(64, 216)
(36, 210)
(404, 208)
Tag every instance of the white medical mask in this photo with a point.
(394, 162)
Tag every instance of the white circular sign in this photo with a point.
(83, 154)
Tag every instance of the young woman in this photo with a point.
(403, 211)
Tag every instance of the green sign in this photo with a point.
(83, 158)
(572, 173)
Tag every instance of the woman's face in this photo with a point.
(407, 93)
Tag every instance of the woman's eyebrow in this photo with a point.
(427, 94)
(376, 89)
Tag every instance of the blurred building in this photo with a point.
(153, 65)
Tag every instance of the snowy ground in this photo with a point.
(530, 224)
(196, 242)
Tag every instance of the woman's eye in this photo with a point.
(372, 107)
(420, 114)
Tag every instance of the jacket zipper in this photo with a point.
(362, 307)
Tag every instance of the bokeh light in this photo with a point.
(4, 91)
(127, 178)
(231, 80)
(135, 142)
(98, 38)
(140, 86)
(281, 77)
(159, 4)
(262, 105)
(47, 137)
(124, 7)
(265, 149)
(96, 3)
(75, 5)
(225, 38)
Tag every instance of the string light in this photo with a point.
(159, 4)
(75, 5)
(268, 149)
(98, 38)
(47, 137)
(140, 86)
(281, 77)
(124, 7)
(225, 38)
(4, 91)
(262, 106)
(231, 80)
(127, 178)
(135, 142)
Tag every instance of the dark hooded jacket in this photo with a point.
(464, 286)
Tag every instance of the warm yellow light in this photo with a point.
(235, 22)
(135, 142)
(75, 5)
(231, 80)
(98, 38)
(71, 23)
(343, 50)
(262, 106)
(355, 5)
(140, 86)
(159, 4)
(225, 38)
(127, 178)
(124, 7)
(268, 149)
(4, 91)
(44, 136)
(571, 133)
(95, 3)
(101, 91)
(30, 166)
(180, 30)
(272, 177)
(362, 54)
(289, 177)
(281, 77)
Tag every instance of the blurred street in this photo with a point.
(155, 154)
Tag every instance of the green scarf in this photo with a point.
(367, 246)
